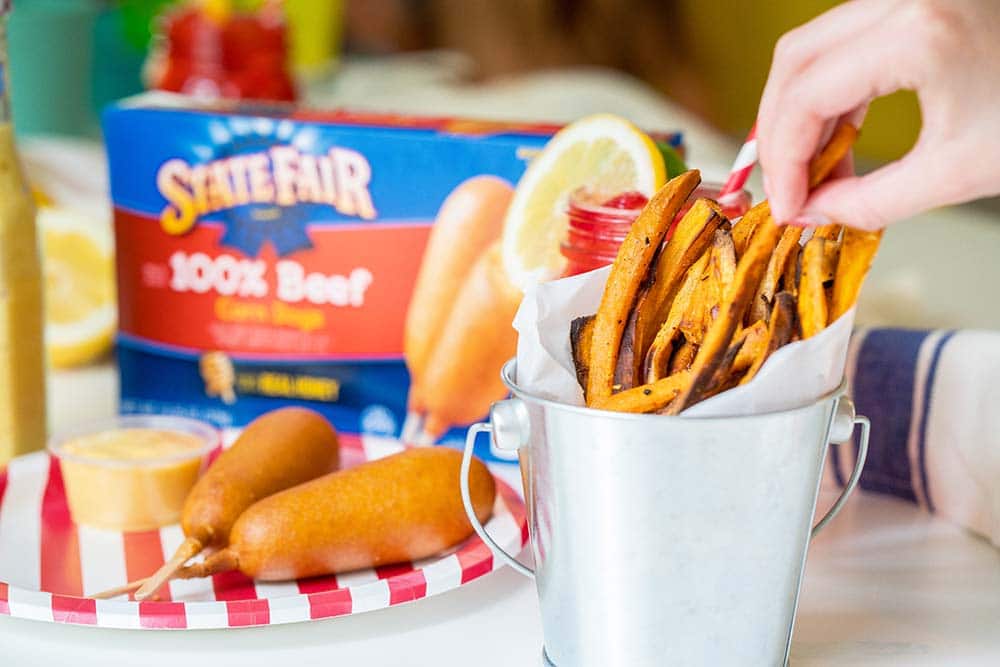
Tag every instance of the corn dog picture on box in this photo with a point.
(344, 261)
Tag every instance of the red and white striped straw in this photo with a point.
(744, 164)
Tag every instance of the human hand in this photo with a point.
(829, 70)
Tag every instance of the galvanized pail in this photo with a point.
(667, 540)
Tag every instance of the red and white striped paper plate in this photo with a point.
(48, 564)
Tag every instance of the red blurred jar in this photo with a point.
(597, 225)
(236, 56)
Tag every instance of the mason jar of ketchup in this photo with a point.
(211, 51)
(597, 225)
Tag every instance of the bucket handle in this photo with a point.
(470, 441)
(841, 429)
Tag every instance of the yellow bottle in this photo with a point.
(22, 376)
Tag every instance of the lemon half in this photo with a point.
(80, 309)
(605, 152)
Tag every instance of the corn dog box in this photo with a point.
(343, 261)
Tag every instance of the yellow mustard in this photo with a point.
(130, 478)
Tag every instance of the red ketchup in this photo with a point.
(240, 56)
(597, 228)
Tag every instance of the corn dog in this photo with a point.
(400, 508)
(462, 379)
(469, 220)
(276, 451)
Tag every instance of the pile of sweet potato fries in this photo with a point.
(684, 320)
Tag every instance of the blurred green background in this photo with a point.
(710, 56)
(731, 44)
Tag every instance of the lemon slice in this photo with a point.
(604, 152)
(80, 311)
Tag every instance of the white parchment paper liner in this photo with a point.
(795, 375)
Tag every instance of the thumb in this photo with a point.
(896, 191)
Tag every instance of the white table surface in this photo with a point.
(885, 584)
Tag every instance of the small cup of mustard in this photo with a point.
(132, 472)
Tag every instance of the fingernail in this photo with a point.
(778, 211)
(808, 219)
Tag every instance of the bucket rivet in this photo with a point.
(509, 419)
(843, 421)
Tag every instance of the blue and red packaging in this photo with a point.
(266, 256)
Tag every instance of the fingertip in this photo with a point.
(848, 201)
(785, 204)
(779, 212)
(810, 219)
(785, 183)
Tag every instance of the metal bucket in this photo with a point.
(666, 540)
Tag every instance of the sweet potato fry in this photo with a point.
(829, 232)
(831, 255)
(754, 340)
(857, 252)
(749, 271)
(836, 149)
(691, 238)
(790, 279)
(693, 317)
(625, 365)
(721, 377)
(760, 308)
(658, 356)
(779, 332)
(683, 357)
(812, 297)
(714, 281)
(722, 273)
(744, 228)
(646, 398)
(724, 377)
(713, 348)
(627, 275)
(581, 330)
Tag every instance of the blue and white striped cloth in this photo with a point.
(933, 398)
